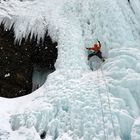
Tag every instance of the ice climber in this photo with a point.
(96, 50)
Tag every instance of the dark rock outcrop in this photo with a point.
(17, 61)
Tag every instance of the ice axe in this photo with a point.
(98, 41)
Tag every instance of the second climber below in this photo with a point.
(96, 50)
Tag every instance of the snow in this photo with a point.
(76, 103)
(7, 75)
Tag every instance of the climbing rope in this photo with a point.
(109, 101)
(102, 111)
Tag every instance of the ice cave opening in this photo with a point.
(24, 67)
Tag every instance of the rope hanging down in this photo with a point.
(101, 73)
(109, 101)
(102, 111)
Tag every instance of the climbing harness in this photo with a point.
(100, 76)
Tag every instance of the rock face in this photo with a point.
(17, 61)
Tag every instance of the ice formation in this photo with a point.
(76, 103)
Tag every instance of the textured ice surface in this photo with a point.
(76, 103)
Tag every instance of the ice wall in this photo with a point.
(76, 103)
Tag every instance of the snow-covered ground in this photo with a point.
(76, 103)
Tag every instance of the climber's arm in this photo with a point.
(89, 48)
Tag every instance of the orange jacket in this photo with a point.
(95, 47)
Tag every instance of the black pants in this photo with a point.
(99, 54)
